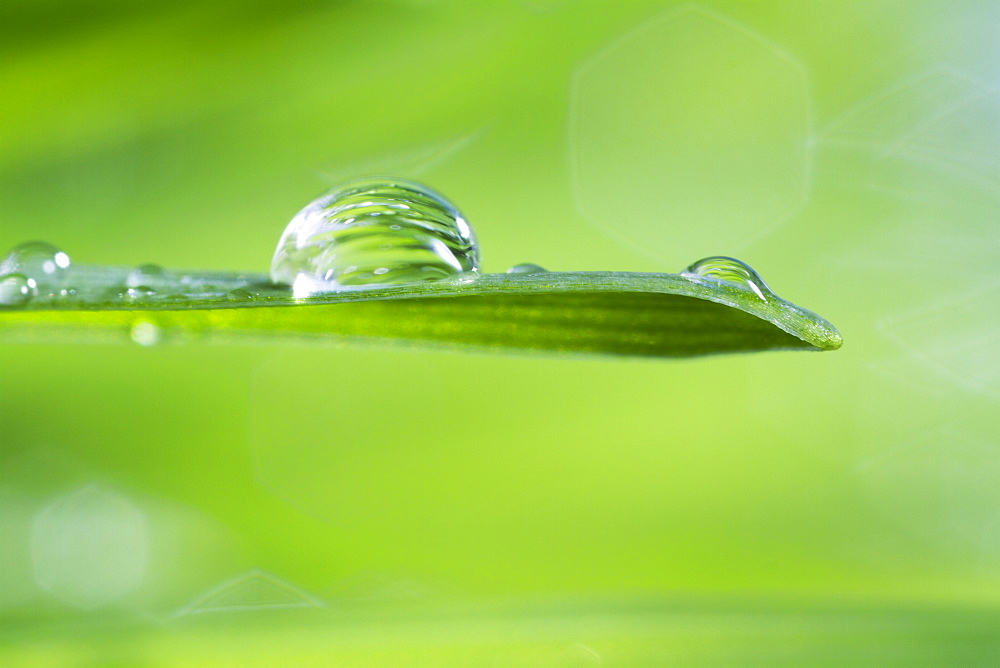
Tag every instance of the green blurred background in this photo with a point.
(213, 505)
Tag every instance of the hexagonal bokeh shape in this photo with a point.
(89, 547)
(689, 134)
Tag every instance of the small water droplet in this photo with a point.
(44, 265)
(374, 232)
(15, 291)
(729, 270)
(146, 333)
(240, 295)
(139, 292)
(527, 268)
(147, 276)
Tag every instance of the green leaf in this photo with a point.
(613, 313)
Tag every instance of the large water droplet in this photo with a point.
(527, 268)
(15, 290)
(372, 232)
(43, 265)
(730, 270)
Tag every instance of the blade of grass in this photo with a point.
(651, 315)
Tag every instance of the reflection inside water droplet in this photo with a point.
(730, 270)
(374, 232)
(43, 265)
(527, 268)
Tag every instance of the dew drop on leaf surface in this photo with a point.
(731, 270)
(15, 290)
(148, 276)
(139, 292)
(527, 268)
(374, 232)
(44, 267)
(240, 295)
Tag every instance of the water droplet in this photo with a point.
(527, 268)
(240, 295)
(147, 276)
(146, 333)
(42, 264)
(729, 270)
(139, 292)
(15, 291)
(374, 232)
